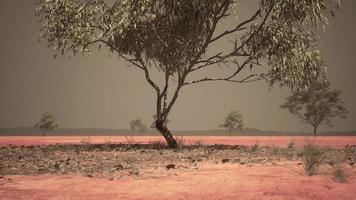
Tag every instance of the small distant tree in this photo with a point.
(233, 120)
(47, 123)
(138, 125)
(316, 105)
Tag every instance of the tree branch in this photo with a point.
(131, 60)
(165, 91)
(137, 62)
(210, 61)
(239, 27)
(148, 78)
(181, 79)
(223, 9)
(234, 53)
(248, 79)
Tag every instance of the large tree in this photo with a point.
(316, 105)
(153, 125)
(277, 43)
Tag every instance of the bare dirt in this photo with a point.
(150, 171)
(211, 181)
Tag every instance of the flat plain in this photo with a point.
(205, 167)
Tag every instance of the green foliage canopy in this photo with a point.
(316, 105)
(138, 125)
(47, 122)
(174, 35)
(233, 120)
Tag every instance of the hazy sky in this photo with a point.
(103, 92)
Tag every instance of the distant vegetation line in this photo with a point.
(28, 131)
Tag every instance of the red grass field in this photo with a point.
(282, 141)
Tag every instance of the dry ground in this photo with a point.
(89, 170)
(282, 141)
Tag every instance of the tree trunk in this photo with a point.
(315, 127)
(160, 126)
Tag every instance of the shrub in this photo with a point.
(339, 174)
(198, 143)
(255, 147)
(107, 144)
(130, 140)
(107, 141)
(180, 141)
(291, 144)
(313, 157)
(275, 150)
(85, 141)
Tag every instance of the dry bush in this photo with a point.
(254, 148)
(107, 141)
(180, 141)
(107, 144)
(291, 144)
(198, 143)
(350, 154)
(86, 141)
(287, 153)
(339, 174)
(275, 150)
(129, 140)
(313, 157)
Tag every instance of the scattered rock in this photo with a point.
(136, 173)
(40, 169)
(331, 163)
(118, 167)
(231, 160)
(196, 160)
(170, 166)
(350, 161)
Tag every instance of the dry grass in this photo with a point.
(313, 157)
(291, 144)
(130, 140)
(180, 141)
(339, 174)
(255, 148)
(108, 157)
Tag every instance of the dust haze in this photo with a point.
(103, 91)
